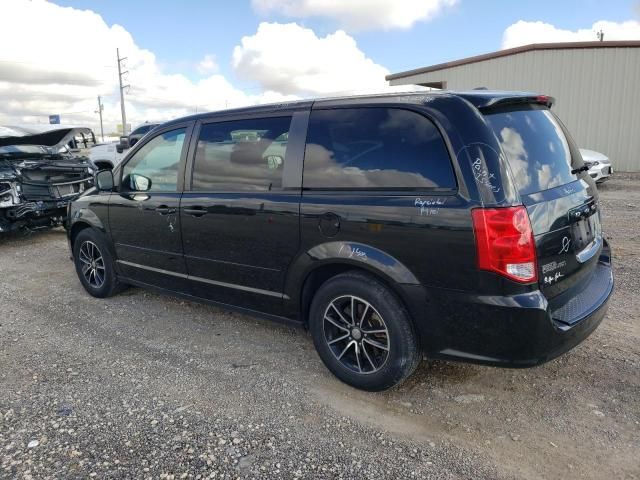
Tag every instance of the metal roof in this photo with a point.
(479, 98)
(516, 50)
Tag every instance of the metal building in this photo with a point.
(596, 86)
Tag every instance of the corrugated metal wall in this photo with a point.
(597, 92)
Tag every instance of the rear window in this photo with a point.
(375, 148)
(536, 148)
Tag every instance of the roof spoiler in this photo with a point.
(498, 102)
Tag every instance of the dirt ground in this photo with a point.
(146, 386)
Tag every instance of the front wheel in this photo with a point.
(94, 264)
(363, 333)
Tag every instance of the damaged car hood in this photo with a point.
(26, 148)
(40, 135)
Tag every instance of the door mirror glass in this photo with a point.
(104, 180)
(124, 142)
(139, 183)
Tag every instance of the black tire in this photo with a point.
(364, 364)
(90, 240)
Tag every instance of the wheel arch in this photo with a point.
(325, 261)
(82, 219)
(75, 231)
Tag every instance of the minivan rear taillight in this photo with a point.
(505, 244)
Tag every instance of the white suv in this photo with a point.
(109, 155)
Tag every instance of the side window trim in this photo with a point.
(294, 158)
(292, 172)
(188, 126)
(392, 191)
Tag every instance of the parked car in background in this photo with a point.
(107, 156)
(40, 173)
(459, 225)
(600, 168)
(140, 131)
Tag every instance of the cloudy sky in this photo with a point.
(186, 57)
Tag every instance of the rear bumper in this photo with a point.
(514, 331)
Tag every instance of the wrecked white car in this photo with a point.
(40, 173)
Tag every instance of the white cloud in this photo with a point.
(68, 58)
(208, 64)
(524, 33)
(292, 60)
(359, 14)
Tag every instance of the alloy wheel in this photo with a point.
(92, 264)
(356, 334)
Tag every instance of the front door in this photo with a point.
(240, 223)
(143, 216)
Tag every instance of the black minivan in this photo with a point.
(458, 225)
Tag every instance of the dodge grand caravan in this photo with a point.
(458, 225)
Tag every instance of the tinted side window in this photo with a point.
(158, 160)
(243, 155)
(375, 148)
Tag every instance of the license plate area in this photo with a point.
(585, 225)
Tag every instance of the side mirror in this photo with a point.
(139, 183)
(123, 145)
(104, 180)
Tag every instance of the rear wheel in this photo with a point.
(95, 265)
(363, 333)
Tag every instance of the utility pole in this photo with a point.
(122, 87)
(99, 111)
(600, 35)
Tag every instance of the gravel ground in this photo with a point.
(146, 386)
